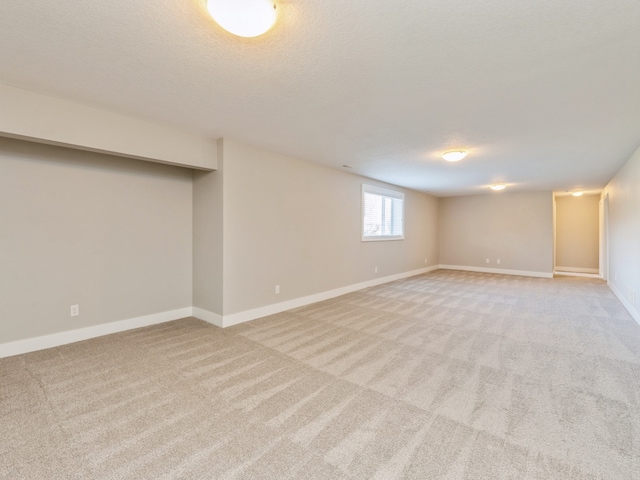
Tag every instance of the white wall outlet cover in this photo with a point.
(75, 310)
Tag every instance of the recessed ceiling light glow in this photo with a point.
(577, 194)
(244, 18)
(454, 155)
(498, 186)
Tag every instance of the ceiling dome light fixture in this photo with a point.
(454, 155)
(498, 186)
(244, 18)
(577, 194)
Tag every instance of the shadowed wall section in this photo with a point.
(112, 235)
(577, 233)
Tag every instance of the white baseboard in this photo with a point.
(248, 315)
(577, 270)
(571, 274)
(209, 317)
(625, 302)
(63, 338)
(500, 271)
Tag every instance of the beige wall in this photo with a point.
(516, 228)
(624, 232)
(577, 236)
(208, 224)
(110, 234)
(124, 238)
(297, 224)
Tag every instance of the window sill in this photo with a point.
(382, 239)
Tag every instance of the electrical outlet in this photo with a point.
(375, 270)
(487, 260)
(498, 261)
(277, 289)
(425, 260)
(75, 310)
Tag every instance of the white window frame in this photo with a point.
(383, 192)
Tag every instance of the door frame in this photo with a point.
(604, 238)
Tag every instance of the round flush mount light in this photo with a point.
(244, 18)
(577, 194)
(454, 155)
(498, 186)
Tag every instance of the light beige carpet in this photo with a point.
(450, 375)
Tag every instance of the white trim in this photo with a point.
(632, 311)
(207, 316)
(577, 270)
(382, 238)
(604, 237)
(248, 315)
(383, 192)
(63, 338)
(573, 274)
(500, 271)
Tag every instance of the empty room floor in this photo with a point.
(448, 375)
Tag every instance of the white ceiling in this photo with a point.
(544, 94)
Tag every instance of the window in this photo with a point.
(382, 214)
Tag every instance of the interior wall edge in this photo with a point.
(635, 314)
(40, 118)
(207, 316)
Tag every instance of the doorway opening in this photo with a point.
(578, 225)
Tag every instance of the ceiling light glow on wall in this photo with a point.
(498, 186)
(454, 155)
(577, 194)
(244, 18)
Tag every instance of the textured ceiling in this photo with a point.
(544, 95)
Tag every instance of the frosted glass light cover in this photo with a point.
(244, 18)
(454, 155)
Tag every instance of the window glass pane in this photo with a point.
(397, 217)
(387, 209)
(382, 213)
(372, 214)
